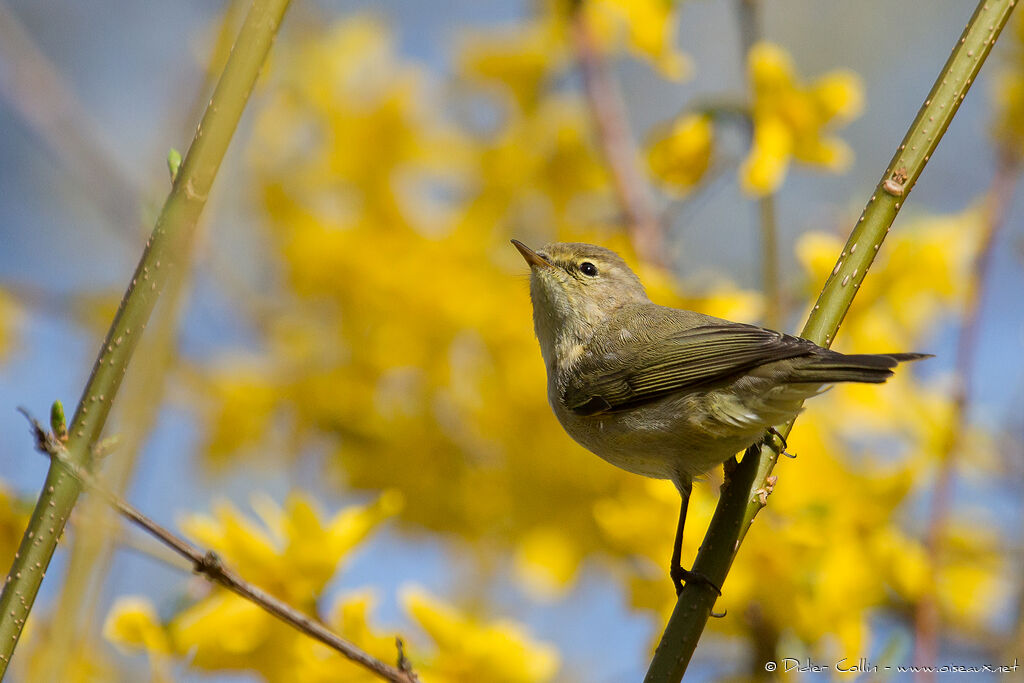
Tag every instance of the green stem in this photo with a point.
(91, 551)
(165, 252)
(740, 502)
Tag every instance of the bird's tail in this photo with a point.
(832, 366)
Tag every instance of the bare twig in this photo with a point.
(617, 144)
(210, 565)
(927, 612)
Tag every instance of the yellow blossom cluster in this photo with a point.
(680, 155)
(646, 27)
(790, 121)
(292, 555)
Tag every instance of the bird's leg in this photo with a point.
(676, 571)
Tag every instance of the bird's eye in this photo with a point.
(588, 268)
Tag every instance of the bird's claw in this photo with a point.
(681, 576)
(777, 434)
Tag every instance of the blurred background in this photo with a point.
(345, 398)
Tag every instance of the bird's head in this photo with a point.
(574, 288)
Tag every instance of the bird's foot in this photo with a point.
(681, 576)
(778, 435)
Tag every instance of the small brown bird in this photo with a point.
(664, 392)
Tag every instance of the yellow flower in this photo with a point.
(920, 274)
(546, 562)
(680, 157)
(647, 27)
(469, 650)
(132, 624)
(241, 398)
(520, 58)
(294, 554)
(970, 578)
(350, 618)
(791, 120)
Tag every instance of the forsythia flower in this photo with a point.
(681, 156)
(469, 650)
(790, 120)
(295, 554)
(349, 618)
(647, 27)
(893, 307)
(243, 397)
(519, 58)
(292, 556)
(132, 624)
(546, 562)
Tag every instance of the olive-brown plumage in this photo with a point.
(665, 392)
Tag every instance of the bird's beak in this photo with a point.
(532, 257)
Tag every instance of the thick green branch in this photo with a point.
(740, 501)
(165, 251)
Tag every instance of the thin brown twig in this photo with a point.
(616, 142)
(213, 568)
(926, 616)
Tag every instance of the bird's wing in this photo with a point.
(679, 359)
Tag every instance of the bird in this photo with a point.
(664, 392)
